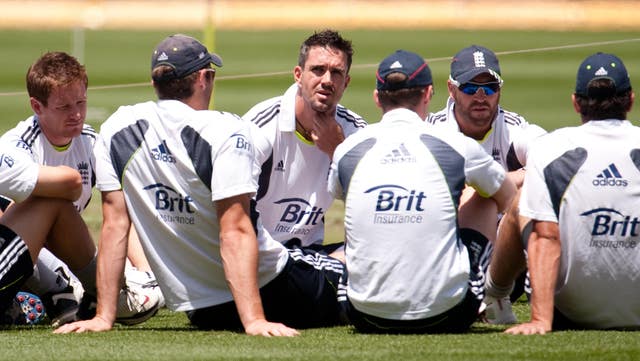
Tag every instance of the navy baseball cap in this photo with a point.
(602, 66)
(473, 61)
(184, 54)
(405, 62)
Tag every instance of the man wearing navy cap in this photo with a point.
(414, 258)
(473, 108)
(581, 189)
(186, 176)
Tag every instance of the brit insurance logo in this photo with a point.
(242, 143)
(398, 155)
(397, 204)
(610, 177)
(611, 228)
(172, 206)
(6, 160)
(162, 153)
(297, 215)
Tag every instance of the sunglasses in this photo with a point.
(472, 88)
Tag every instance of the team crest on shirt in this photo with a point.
(83, 169)
(495, 153)
(611, 228)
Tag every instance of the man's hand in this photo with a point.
(530, 328)
(96, 324)
(268, 329)
(326, 133)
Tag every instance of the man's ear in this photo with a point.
(452, 88)
(36, 106)
(375, 98)
(576, 106)
(297, 73)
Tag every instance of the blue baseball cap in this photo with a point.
(602, 66)
(184, 54)
(473, 61)
(405, 62)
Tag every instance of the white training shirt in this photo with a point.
(18, 173)
(402, 183)
(587, 179)
(27, 137)
(173, 163)
(507, 141)
(292, 196)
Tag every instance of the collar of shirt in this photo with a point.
(401, 115)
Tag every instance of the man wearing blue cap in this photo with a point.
(581, 190)
(473, 108)
(186, 176)
(414, 258)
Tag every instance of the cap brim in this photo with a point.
(468, 76)
(216, 59)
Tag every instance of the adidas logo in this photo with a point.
(610, 177)
(601, 72)
(398, 155)
(163, 56)
(396, 65)
(162, 153)
(279, 166)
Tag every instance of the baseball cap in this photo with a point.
(472, 61)
(602, 66)
(410, 64)
(184, 54)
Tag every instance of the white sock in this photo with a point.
(496, 291)
(50, 274)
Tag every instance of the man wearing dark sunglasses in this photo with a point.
(473, 108)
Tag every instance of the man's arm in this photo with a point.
(504, 195)
(58, 182)
(544, 260)
(517, 177)
(112, 252)
(239, 250)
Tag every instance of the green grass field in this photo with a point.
(539, 70)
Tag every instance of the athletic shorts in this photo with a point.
(327, 249)
(455, 320)
(15, 265)
(303, 295)
(4, 203)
